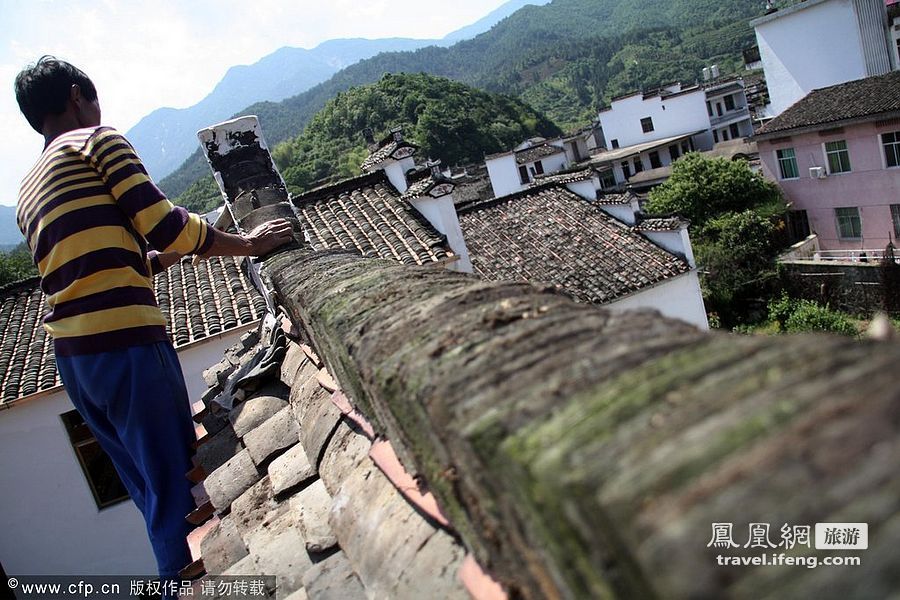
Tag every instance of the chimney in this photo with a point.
(434, 201)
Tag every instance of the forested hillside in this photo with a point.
(566, 59)
(448, 120)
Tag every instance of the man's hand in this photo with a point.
(268, 236)
(262, 240)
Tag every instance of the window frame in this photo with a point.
(838, 220)
(638, 164)
(647, 124)
(792, 158)
(895, 146)
(729, 99)
(524, 176)
(654, 164)
(81, 438)
(895, 219)
(829, 153)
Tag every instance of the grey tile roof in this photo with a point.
(616, 198)
(529, 155)
(551, 235)
(389, 150)
(869, 97)
(285, 477)
(198, 302)
(661, 224)
(563, 177)
(367, 214)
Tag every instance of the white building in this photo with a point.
(514, 171)
(648, 131)
(819, 43)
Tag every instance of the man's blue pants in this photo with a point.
(135, 402)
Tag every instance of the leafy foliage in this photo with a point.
(16, 265)
(447, 120)
(796, 316)
(701, 188)
(202, 196)
(737, 230)
(566, 59)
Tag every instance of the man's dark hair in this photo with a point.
(43, 89)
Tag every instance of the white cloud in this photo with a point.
(143, 56)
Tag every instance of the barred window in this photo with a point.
(891, 144)
(101, 475)
(787, 163)
(838, 156)
(849, 226)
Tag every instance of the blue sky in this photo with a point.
(135, 51)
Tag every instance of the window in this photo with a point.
(735, 132)
(715, 136)
(838, 157)
(654, 160)
(638, 164)
(538, 168)
(787, 163)
(607, 180)
(98, 468)
(891, 143)
(615, 144)
(798, 225)
(849, 226)
(895, 219)
(729, 102)
(673, 152)
(724, 135)
(719, 109)
(647, 124)
(626, 169)
(687, 146)
(523, 174)
(709, 108)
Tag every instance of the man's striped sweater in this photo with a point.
(90, 213)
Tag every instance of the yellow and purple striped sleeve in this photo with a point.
(168, 228)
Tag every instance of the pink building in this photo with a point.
(836, 155)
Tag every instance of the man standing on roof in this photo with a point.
(90, 213)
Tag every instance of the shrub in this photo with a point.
(796, 316)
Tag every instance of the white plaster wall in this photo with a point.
(49, 521)
(504, 174)
(671, 116)
(551, 164)
(441, 213)
(809, 49)
(679, 298)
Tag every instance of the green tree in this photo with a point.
(702, 188)
(16, 265)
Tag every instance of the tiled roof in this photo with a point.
(292, 483)
(367, 214)
(387, 151)
(563, 177)
(534, 153)
(661, 224)
(616, 198)
(200, 301)
(869, 97)
(551, 235)
(428, 184)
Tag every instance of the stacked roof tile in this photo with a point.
(869, 97)
(198, 301)
(661, 224)
(551, 235)
(368, 215)
(563, 177)
(291, 485)
(534, 153)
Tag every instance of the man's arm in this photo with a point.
(262, 240)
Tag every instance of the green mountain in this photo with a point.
(448, 120)
(566, 59)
